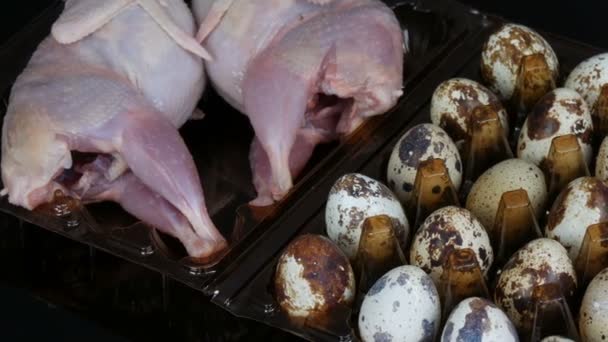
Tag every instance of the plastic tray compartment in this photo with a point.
(246, 291)
(432, 30)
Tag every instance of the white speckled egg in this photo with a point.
(588, 78)
(502, 54)
(420, 143)
(560, 112)
(453, 102)
(445, 230)
(478, 319)
(312, 277)
(582, 203)
(540, 261)
(593, 318)
(556, 339)
(353, 198)
(511, 174)
(403, 305)
(601, 163)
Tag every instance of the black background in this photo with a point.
(582, 20)
(23, 318)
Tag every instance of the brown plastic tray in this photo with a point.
(246, 290)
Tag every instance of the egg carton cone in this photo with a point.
(461, 278)
(593, 255)
(433, 189)
(487, 144)
(552, 315)
(564, 163)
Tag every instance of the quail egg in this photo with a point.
(511, 174)
(452, 104)
(588, 78)
(560, 112)
(353, 198)
(420, 143)
(601, 163)
(313, 277)
(478, 319)
(503, 53)
(593, 318)
(403, 305)
(582, 203)
(540, 261)
(445, 230)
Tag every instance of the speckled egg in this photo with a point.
(540, 261)
(593, 318)
(445, 230)
(582, 203)
(588, 78)
(502, 54)
(353, 198)
(453, 102)
(556, 339)
(313, 277)
(403, 305)
(511, 174)
(560, 112)
(420, 143)
(601, 163)
(478, 319)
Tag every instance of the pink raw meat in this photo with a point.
(116, 78)
(304, 72)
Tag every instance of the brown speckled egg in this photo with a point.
(588, 78)
(582, 203)
(453, 102)
(593, 318)
(313, 277)
(403, 305)
(560, 112)
(353, 198)
(601, 166)
(418, 144)
(445, 230)
(502, 54)
(508, 175)
(541, 261)
(478, 319)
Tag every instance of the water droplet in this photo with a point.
(61, 209)
(269, 309)
(73, 223)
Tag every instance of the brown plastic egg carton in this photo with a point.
(434, 28)
(445, 40)
(248, 291)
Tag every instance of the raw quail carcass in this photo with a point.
(304, 72)
(116, 78)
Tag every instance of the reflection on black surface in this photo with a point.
(129, 301)
(25, 318)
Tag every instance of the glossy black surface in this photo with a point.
(581, 20)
